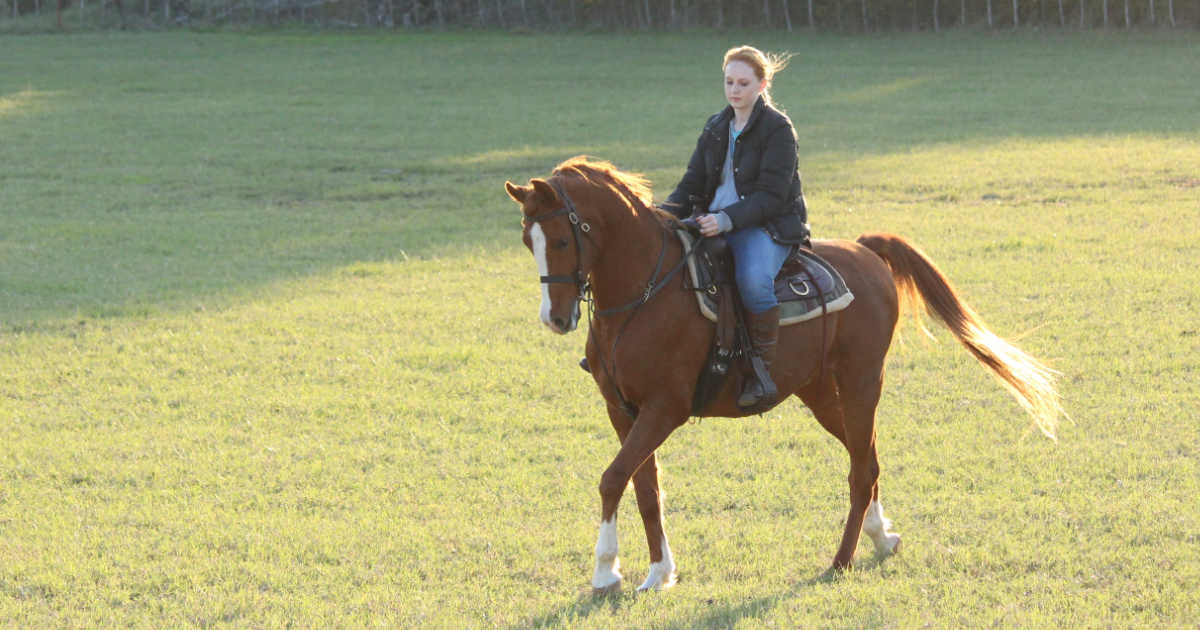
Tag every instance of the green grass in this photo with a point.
(269, 353)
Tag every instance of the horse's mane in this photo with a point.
(633, 188)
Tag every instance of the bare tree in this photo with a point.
(787, 16)
(866, 13)
(1017, 13)
(1062, 15)
(812, 23)
(937, 27)
(1126, 13)
(989, 12)
(962, 14)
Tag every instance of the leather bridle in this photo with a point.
(578, 227)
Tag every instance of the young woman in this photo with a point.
(742, 181)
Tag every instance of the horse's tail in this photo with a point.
(919, 281)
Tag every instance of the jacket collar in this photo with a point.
(727, 114)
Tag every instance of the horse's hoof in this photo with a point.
(889, 546)
(605, 591)
(657, 583)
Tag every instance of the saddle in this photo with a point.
(804, 284)
(807, 287)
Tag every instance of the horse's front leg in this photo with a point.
(662, 563)
(639, 439)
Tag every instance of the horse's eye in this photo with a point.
(560, 243)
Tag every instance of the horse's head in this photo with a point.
(554, 232)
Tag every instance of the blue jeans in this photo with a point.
(757, 259)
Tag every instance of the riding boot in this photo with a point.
(764, 337)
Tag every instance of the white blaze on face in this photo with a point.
(607, 565)
(538, 239)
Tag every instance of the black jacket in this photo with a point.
(764, 172)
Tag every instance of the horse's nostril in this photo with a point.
(560, 323)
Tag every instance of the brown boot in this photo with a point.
(764, 337)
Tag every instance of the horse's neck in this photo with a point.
(633, 252)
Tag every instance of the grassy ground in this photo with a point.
(269, 353)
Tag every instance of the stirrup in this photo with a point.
(758, 381)
(764, 397)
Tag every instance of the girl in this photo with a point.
(742, 181)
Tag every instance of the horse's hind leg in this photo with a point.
(847, 411)
(858, 418)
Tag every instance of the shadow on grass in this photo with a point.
(583, 607)
(234, 193)
(145, 260)
(717, 615)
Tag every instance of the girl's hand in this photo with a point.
(708, 225)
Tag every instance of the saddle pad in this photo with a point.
(797, 297)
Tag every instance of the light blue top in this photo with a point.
(726, 194)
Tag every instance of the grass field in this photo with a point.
(269, 353)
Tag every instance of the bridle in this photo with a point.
(578, 227)
(584, 288)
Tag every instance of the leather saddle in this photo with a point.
(807, 287)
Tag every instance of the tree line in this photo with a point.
(822, 15)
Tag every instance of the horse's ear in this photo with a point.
(518, 193)
(544, 189)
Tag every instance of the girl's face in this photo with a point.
(742, 86)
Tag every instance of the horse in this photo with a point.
(594, 231)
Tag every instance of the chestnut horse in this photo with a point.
(592, 228)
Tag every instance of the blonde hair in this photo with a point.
(765, 65)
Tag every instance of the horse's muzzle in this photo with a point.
(563, 325)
